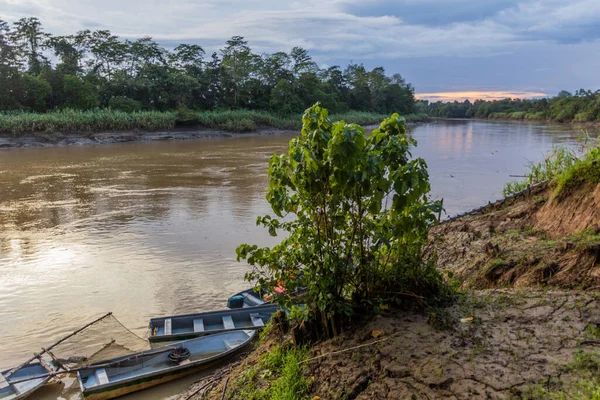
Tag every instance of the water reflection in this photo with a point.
(147, 229)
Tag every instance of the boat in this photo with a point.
(183, 327)
(245, 299)
(26, 379)
(149, 368)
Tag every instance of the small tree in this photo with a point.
(355, 213)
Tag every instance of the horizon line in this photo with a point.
(461, 96)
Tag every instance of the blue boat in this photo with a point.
(146, 369)
(183, 327)
(25, 380)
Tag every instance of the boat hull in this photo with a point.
(240, 318)
(129, 374)
(144, 383)
(23, 390)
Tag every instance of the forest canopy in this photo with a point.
(582, 106)
(89, 69)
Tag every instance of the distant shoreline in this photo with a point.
(59, 139)
(589, 124)
(41, 140)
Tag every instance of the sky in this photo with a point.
(448, 49)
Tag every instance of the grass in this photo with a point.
(585, 240)
(558, 160)
(277, 376)
(564, 167)
(585, 170)
(585, 384)
(100, 120)
(85, 121)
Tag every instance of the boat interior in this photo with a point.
(155, 361)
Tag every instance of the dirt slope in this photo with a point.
(491, 345)
(530, 241)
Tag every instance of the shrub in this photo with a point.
(355, 214)
(125, 104)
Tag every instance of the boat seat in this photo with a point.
(199, 325)
(253, 300)
(101, 376)
(228, 322)
(168, 329)
(3, 382)
(257, 321)
(228, 344)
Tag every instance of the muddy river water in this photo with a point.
(150, 229)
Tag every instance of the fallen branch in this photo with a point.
(349, 349)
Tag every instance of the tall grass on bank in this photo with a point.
(277, 376)
(70, 121)
(101, 120)
(564, 166)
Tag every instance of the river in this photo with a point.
(150, 229)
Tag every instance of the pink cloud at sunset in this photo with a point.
(477, 95)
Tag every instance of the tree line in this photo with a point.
(581, 106)
(40, 72)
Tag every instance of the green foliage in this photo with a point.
(583, 106)
(585, 170)
(85, 121)
(355, 214)
(35, 93)
(80, 94)
(125, 104)
(583, 385)
(122, 116)
(278, 376)
(93, 69)
(564, 167)
(559, 159)
(514, 187)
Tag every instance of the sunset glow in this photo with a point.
(476, 95)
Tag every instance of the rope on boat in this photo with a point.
(179, 354)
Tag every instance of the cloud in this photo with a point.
(475, 95)
(430, 12)
(437, 44)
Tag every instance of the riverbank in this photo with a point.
(501, 344)
(70, 127)
(583, 125)
(532, 333)
(77, 139)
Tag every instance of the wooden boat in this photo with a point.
(183, 327)
(245, 299)
(23, 382)
(149, 368)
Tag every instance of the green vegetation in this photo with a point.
(355, 214)
(558, 160)
(95, 70)
(116, 119)
(86, 121)
(564, 167)
(583, 385)
(583, 106)
(277, 376)
(585, 170)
